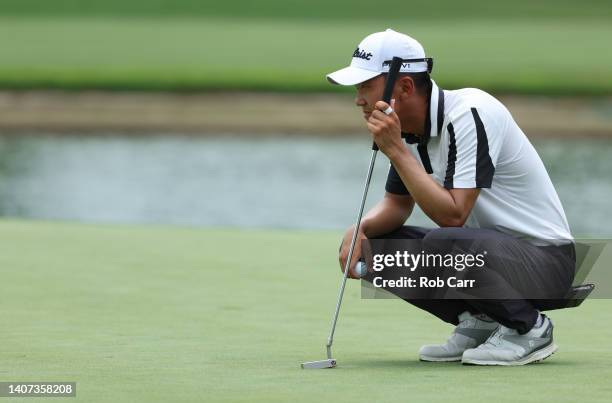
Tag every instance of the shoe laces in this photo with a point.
(496, 337)
(471, 322)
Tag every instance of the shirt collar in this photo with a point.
(436, 110)
(435, 117)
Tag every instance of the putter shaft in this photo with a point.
(330, 339)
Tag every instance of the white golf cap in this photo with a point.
(371, 54)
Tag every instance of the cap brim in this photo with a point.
(351, 76)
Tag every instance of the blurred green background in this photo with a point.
(338, 9)
(540, 47)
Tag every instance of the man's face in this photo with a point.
(368, 93)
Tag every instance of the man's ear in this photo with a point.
(406, 85)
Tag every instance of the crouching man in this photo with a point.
(462, 158)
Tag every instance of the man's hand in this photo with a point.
(344, 250)
(386, 129)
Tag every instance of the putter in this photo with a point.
(331, 362)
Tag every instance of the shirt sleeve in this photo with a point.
(473, 149)
(394, 182)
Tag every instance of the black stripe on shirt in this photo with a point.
(452, 157)
(484, 165)
(440, 110)
(394, 183)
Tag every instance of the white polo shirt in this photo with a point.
(475, 143)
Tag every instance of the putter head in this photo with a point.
(329, 363)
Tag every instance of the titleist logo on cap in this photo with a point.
(361, 54)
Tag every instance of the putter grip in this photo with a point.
(394, 69)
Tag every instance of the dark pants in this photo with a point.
(549, 269)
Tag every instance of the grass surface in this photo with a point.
(552, 56)
(171, 314)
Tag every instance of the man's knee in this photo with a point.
(445, 233)
(406, 232)
(460, 240)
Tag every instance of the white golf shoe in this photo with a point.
(469, 333)
(507, 347)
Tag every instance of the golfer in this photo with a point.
(462, 158)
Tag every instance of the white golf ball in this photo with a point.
(360, 269)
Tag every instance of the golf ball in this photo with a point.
(360, 269)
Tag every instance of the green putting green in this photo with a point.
(144, 313)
